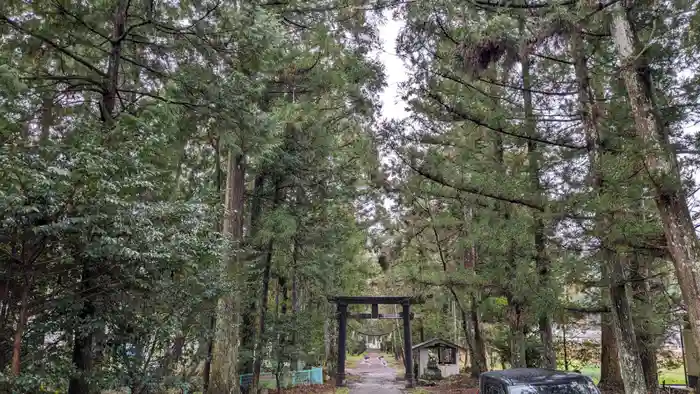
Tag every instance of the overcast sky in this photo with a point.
(392, 105)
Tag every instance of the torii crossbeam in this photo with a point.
(342, 303)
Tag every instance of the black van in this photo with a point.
(535, 381)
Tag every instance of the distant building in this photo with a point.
(449, 356)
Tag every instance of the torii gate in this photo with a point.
(342, 303)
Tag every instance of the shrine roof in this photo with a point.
(436, 342)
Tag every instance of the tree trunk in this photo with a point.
(83, 337)
(610, 377)
(295, 301)
(21, 322)
(623, 325)
(644, 316)
(661, 164)
(514, 311)
(548, 355)
(225, 353)
(46, 119)
(285, 296)
(264, 294)
(475, 342)
(208, 344)
(479, 343)
(330, 330)
(326, 344)
(262, 313)
(111, 81)
(518, 346)
(470, 317)
(249, 324)
(5, 328)
(650, 366)
(613, 263)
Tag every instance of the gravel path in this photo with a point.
(374, 378)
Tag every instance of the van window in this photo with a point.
(566, 388)
(494, 388)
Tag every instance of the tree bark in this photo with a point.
(610, 377)
(46, 119)
(518, 346)
(262, 314)
(475, 341)
(330, 338)
(613, 261)
(470, 315)
(623, 325)
(111, 82)
(225, 352)
(295, 301)
(264, 296)
(208, 343)
(661, 163)
(21, 322)
(84, 335)
(249, 323)
(650, 366)
(644, 316)
(5, 328)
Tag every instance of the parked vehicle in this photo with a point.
(535, 381)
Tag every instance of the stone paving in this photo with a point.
(372, 377)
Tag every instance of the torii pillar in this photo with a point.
(342, 316)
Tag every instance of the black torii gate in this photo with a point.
(342, 303)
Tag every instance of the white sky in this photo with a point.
(392, 105)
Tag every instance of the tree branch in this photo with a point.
(51, 43)
(468, 189)
(480, 122)
(585, 310)
(515, 5)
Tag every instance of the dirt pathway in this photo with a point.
(372, 377)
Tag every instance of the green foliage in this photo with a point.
(116, 119)
(111, 217)
(669, 360)
(580, 355)
(494, 174)
(357, 346)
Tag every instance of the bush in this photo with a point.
(669, 360)
(357, 346)
(579, 354)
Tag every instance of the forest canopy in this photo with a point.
(183, 184)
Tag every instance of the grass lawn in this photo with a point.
(674, 376)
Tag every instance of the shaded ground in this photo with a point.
(372, 378)
(327, 388)
(460, 384)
